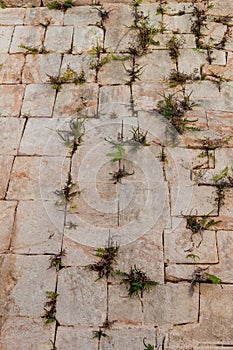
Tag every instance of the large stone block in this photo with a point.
(12, 16)
(27, 36)
(7, 214)
(5, 37)
(11, 68)
(13, 127)
(58, 39)
(86, 38)
(11, 98)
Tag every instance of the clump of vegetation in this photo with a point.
(99, 334)
(200, 275)
(73, 137)
(120, 174)
(148, 346)
(224, 178)
(30, 49)
(3, 5)
(161, 9)
(103, 14)
(179, 78)
(134, 72)
(139, 137)
(119, 152)
(104, 267)
(174, 45)
(55, 5)
(69, 191)
(50, 307)
(136, 281)
(56, 260)
(198, 23)
(174, 109)
(69, 76)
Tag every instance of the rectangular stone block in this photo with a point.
(25, 279)
(37, 15)
(7, 214)
(86, 38)
(13, 127)
(11, 97)
(28, 36)
(113, 72)
(79, 64)
(11, 68)
(38, 67)
(225, 213)
(81, 300)
(177, 24)
(114, 101)
(36, 178)
(12, 16)
(58, 39)
(35, 94)
(6, 164)
(45, 220)
(81, 16)
(5, 37)
(75, 337)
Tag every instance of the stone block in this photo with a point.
(11, 97)
(11, 68)
(85, 254)
(119, 15)
(79, 64)
(75, 337)
(6, 164)
(25, 279)
(114, 102)
(119, 39)
(38, 67)
(7, 213)
(73, 97)
(81, 16)
(191, 61)
(34, 95)
(28, 36)
(170, 304)
(113, 72)
(177, 24)
(214, 32)
(45, 220)
(41, 138)
(5, 37)
(37, 15)
(86, 38)
(82, 299)
(147, 95)
(13, 127)
(221, 123)
(58, 39)
(225, 213)
(26, 333)
(36, 178)
(12, 16)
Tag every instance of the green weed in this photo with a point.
(200, 275)
(73, 137)
(55, 5)
(3, 5)
(120, 174)
(147, 346)
(50, 307)
(56, 260)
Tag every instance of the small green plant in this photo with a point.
(179, 78)
(50, 307)
(103, 14)
(99, 334)
(69, 76)
(30, 49)
(136, 281)
(148, 346)
(174, 110)
(2, 5)
(69, 191)
(223, 177)
(73, 137)
(139, 137)
(56, 260)
(120, 174)
(174, 45)
(119, 152)
(197, 224)
(193, 256)
(198, 23)
(200, 275)
(107, 255)
(134, 72)
(55, 5)
(161, 9)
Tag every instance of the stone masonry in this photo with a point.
(116, 126)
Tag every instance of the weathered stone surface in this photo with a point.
(5, 37)
(28, 36)
(36, 178)
(180, 242)
(113, 72)
(76, 254)
(119, 39)
(114, 101)
(41, 138)
(81, 300)
(26, 333)
(7, 213)
(25, 279)
(38, 100)
(170, 304)
(44, 236)
(13, 127)
(225, 213)
(38, 15)
(81, 16)
(73, 97)
(75, 337)
(58, 39)
(190, 61)
(178, 24)
(86, 38)
(38, 67)
(184, 199)
(221, 123)
(12, 16)
(11, 68)
(119, 15)
(11, 97)
(79, 64)
(6, 164)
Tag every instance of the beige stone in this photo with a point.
(81, 16)
(119, 39)
(114, 101)
(73, 97)
(12, 16)
(28, 36)
(5, 37)
(6, 164)
(178, 24)
(45, 220)
(225, 213)
(25, 279)
(36, 178)
(38, 67)
(58, 39)
(38, 100)
(79, 64)
(26, 333)
(37, 15)
(13, 127)
(11, 68)
(190, 61)
(7, 210)
(119, 15)
(113, 72)
(75, 337)
(11, 97)
(81, 300)
(86, 38)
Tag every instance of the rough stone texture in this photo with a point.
(114, 101)
(6, 164)
(5, 36)
(7, 210)
(36, 16)
(11, 68)
(14, 127)
(27, 36)
(58, 39)
(11, 97)
(78, 289)
(113, 72)
(74, 337)
(12, 16)
(86, 38)
(81, 16)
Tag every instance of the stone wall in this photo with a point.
(116, 133)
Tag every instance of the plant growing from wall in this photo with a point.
(148, 346)
(118, 175)
(73, 137)
(55, 5)
(56, 260)
(69, 76)
(50, 307)
(201, 276)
